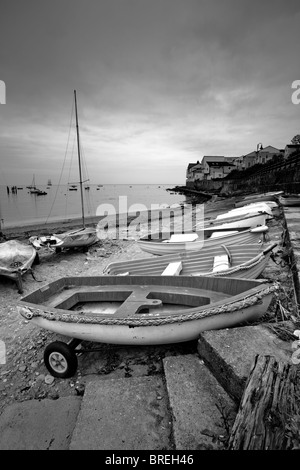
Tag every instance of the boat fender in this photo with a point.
(260, 229)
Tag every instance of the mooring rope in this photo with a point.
(248, 301)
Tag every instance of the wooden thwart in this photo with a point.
(269, 412)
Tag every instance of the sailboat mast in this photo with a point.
(79, 161)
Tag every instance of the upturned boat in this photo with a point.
(250, 219)
(246, 261)
(162, 243)
(137, 310)
(257, 208)
(264, 197)
(292, 200)
(16, 259)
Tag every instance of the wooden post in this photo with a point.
(269, 414)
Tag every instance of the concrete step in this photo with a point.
(229, 353)
(124, 414)
(147, 413)
(202, 411)
(39, 424)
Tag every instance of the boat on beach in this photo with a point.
(256, 208)
(137, 310)
(250, 219)
(162, 243)
(245, 261)
(16, 259)
(82, 237)
(290, 200)
(271, 196)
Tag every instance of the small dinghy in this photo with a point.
(16, 259)
(137, 310)
(246, 261)
(82, 237)
(162, 243)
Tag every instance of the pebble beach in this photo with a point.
(25, 377)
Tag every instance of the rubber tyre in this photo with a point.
(36, 259)
(60, 360)
(58, 249)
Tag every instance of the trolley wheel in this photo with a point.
(60, 359)
(36, 259)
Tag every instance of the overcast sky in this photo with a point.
(160, 83)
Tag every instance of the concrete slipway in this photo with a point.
(191, 405)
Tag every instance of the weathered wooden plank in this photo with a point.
(269, 412)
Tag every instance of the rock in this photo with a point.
(80, 388)
(40, 378)
(49, 379)
(22, 368)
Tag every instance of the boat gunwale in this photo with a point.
(243, 299)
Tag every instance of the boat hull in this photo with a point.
(179, 308)
(245, 261)
(70, 239)
(257, 199)
(16, 259)
(290, 201)
(156, 245)
(248, 209)
(154, 335)
(247, 220)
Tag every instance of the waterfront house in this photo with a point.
(266, 154)
(189, 172)
(291, 148)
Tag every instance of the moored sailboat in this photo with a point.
(81, 237)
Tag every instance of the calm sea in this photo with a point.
(23, 208)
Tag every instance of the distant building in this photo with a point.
(219, 169)
(261, 156)
(249, 160)
(238, 162)
(211, 167)
(209, 159)
(266, 154)
(289, 149)
(189, 172)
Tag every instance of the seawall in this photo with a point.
(283, 176)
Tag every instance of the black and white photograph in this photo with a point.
(149, 228)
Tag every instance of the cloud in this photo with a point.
(160, 83)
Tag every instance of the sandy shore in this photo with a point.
(24, 231)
